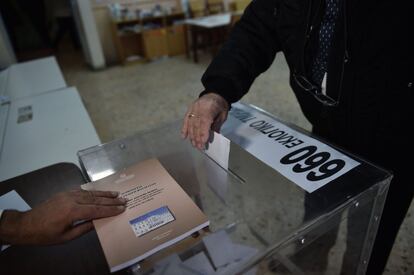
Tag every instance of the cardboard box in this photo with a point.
(176, 37)
(155, 43)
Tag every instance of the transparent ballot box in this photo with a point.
(261, 220)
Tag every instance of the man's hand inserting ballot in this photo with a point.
(207, 112)
(63, 217)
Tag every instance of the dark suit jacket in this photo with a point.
(370, 71)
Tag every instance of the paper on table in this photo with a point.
(172, 265)
(243, 252)
(218, 148)
(225, 255)
(210, 21)
(220, 248)
(174, 269)
(200, 263)
(12, 200)
(233, 268)
(162, 266)
(171, 259)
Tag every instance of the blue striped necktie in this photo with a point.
(326, 32)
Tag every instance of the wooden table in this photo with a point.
(213, 27)
(81, 256)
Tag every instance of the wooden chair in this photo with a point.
(206, 38)
(239, 5)
(198, 8)
(215, 6)
(237, 8)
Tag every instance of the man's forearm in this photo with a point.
(249, 50)
(11, 227)
(52, 221)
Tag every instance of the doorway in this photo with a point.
(40, 28)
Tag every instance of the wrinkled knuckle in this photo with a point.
(92, 197)
(115, 209)
(74, 194)
(204, 119)
(98, 209)
(63, 239)
(71, 211)
(68, 201)
(62, 196)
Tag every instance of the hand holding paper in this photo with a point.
(54, 221)
(206, 113)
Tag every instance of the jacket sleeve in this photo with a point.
(249, 51)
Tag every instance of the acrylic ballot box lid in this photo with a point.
(258, 214)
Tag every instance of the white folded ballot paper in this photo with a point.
(220, 248)
(218, 149)
(220, 256)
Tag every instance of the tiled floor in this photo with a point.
(125, 100)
